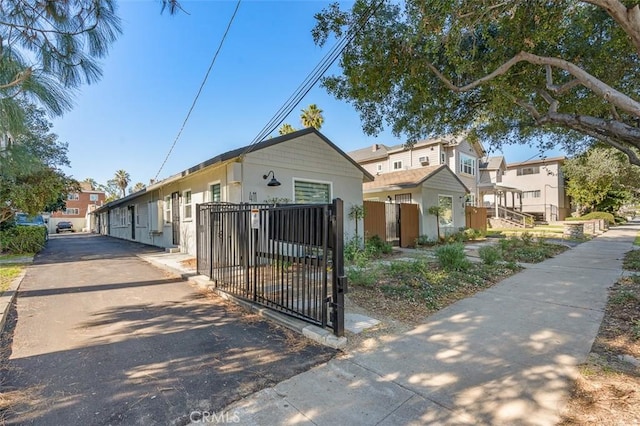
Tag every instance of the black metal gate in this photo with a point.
(288, 257)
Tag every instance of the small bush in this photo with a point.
(375, 246)
(425, 241)
(527, 238)
(22, 239)
(362, 277)
(611, 220)
(452, 257)
(490, 255)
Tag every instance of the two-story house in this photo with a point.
(458, 153)
(542, 187)
(441, 172)
(78, 207)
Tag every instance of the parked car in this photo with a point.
(23, 219)
(64, 226)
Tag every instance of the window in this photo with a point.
(379, 167)
(186, 202)
(397, 165)
(73, 196)
(403, 198)
(443, 158)
(470, 200)
(93, 197)
(167, 209)
(531, 194)
(528, 171)
(446, 211)
(137, 214)
(72, 211)
(306, 192)
(467, 165)
(214, 193)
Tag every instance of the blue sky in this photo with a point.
(130, 118)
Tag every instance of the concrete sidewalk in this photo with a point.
(504, 356)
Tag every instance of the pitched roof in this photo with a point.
(537, 161)
(407, 178)
(374, 152)
(491, 163)
(235, 153)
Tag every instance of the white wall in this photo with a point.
(307, 157)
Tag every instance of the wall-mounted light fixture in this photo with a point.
(273, 181)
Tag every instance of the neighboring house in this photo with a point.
(542, 187)
(300, 167)
(494, 192)
(461, 155)
(79, 205)
(426, 186)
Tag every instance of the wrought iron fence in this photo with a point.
(286, 257)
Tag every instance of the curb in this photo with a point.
(8, 296)
(313, 332)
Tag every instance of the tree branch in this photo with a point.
(627, 18)
(592, 83)
(20, 78)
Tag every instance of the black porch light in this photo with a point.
(273, 181)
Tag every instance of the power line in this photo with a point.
(204, 81)
(313, 77)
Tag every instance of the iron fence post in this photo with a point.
(339, 281)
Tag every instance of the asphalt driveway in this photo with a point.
(100, 337)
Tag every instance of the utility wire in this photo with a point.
(313, 77)
(204, 81)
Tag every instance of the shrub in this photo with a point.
(362, 277)
(452, 257)
(424, 240)
(376, 246)
(490, 255)
(596, 215)
(22, 239)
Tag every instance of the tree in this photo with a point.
(311, 116)
(137, 187)
(601, 179)
(49, 48)
(121, 180)
(91, 183)
(437, 212)
(561, 72)
(285, 129)
(31, 180)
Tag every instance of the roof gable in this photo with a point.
(409, 178)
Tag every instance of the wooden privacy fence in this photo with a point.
(476, 217)
(395, 223)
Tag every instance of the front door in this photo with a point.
(132, 213)
(175, 217)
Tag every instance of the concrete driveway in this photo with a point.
(100, 337)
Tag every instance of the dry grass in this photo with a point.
(607, 390)
(9, 272)
(190, 263)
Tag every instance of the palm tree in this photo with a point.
(312, 117)
(138, 187)
(122, 180)
(285, 129)
(93, 185)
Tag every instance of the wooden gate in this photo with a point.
(409, 224)
(374, 219)
(395, 223)
(476, 217)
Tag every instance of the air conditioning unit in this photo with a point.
(424, 161)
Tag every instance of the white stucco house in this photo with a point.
(301, 167)
(426, 186)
